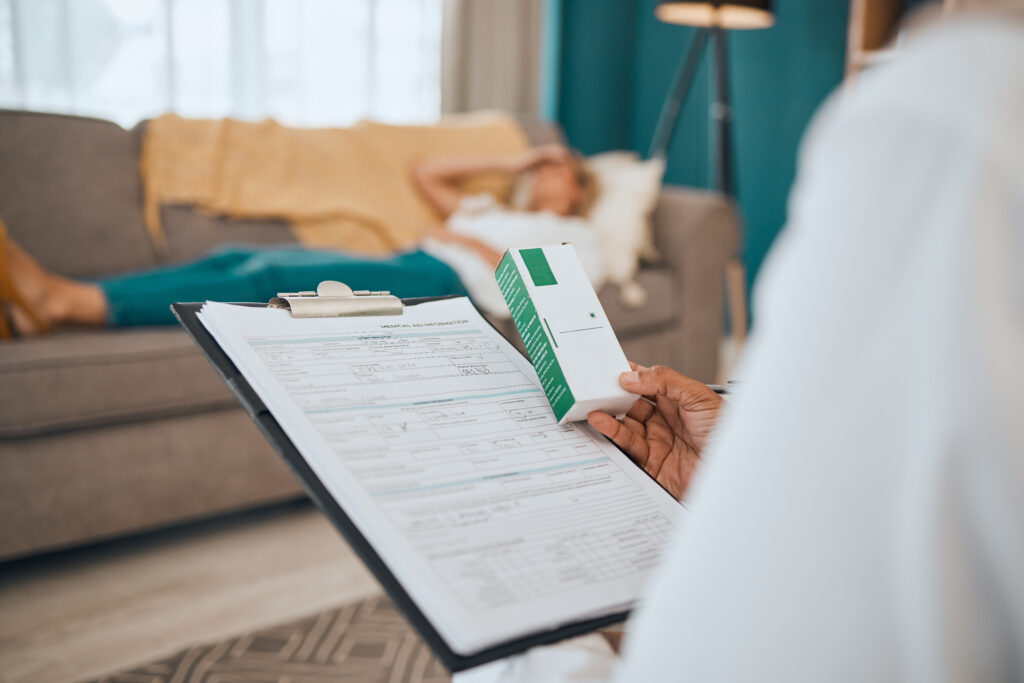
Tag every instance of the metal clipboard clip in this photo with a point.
(334, 299)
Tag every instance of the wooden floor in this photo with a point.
(79, 614)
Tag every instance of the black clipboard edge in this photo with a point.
(187, 315)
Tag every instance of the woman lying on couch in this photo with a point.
(457, 257)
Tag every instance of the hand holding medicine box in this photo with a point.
(571, 343)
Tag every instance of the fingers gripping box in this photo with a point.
(565, 331)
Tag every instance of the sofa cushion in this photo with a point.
(85, 379)
(71, 194)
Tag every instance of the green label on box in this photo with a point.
(537, 263)
(536, 341)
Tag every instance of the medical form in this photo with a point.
(434, 435)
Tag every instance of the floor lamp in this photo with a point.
(712, 19)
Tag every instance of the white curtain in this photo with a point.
(303, 62)
(491, 55)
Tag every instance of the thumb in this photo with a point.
(661, 381)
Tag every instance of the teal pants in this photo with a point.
(251, 273)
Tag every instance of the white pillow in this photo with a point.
(628, 192)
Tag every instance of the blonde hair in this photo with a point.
(590, 187)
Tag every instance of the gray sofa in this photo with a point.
(114, 431)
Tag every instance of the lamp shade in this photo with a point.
(730, 14)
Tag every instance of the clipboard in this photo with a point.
(187, 315)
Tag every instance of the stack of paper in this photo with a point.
(432, 433)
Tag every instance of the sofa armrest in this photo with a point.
(697, 232)
(694, 225)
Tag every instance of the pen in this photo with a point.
(730, 387)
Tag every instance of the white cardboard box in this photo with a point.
(566, 333)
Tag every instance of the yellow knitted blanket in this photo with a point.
(347, 188)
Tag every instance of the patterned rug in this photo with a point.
(366, 641)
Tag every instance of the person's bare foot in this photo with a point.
(52, 298)
(32, 283)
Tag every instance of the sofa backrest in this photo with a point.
(540, 132)
(70, 192)
(71, 195)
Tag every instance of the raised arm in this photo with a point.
(437, 179)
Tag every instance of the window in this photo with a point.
(303, 62)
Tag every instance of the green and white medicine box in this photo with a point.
(566, 333)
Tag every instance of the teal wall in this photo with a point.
(596, 75)
(616, 63)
